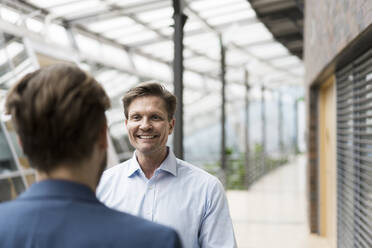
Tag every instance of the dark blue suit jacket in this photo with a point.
(57, 213)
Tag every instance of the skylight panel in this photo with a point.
(261, 70)
(298, 70)
(63, 10)
(116, 55)
(23, 68)
(191, 96)
(106, 75)
(163, 50)
(14, 48)
(236, 58)
(85, 12)
(152, 68)
(58, 34)
(255, 92)
(234, 76)
(251, 33)
(200, 39)
(187, 54)
(7, 77)
(49, 3)
(193, 92)
(34, 25)
(113, 23)
(161, 71)
(201, 64)
(3, 58)
(117, 85)
(192, 25)
(283, 62)
(138, 37)
(169, 31)
(149, 16)
(162, 23)
(123, 31)
(88, 45)
(206, 103)
(231, 8)
(192, 79)
(235, 90)
(164, 44)
(209, 4)
(268, 51)
(9, 15)
(231, 17)
(85, 66)
(124, 3)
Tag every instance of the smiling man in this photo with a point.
(155, 185)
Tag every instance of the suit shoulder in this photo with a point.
(6, 206)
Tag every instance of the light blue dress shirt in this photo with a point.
(178, 195)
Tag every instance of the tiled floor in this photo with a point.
(273, 212)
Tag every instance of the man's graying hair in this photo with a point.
(151, 88)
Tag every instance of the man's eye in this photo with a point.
(135, 117)
(156, 117)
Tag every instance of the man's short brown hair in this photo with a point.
(58, 112)
(151, 88)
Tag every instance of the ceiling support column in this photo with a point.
(179, 22)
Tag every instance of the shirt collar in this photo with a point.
(169, 164)
(133, 165)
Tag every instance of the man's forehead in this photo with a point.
(147, 103)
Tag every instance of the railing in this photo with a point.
(240, 174)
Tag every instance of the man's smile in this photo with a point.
(146, 136)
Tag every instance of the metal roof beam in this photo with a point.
(238, 46)
(200, 31)
(25, 6)
(166, 37)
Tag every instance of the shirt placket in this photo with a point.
(150, 198)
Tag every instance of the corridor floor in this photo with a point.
(272, 213)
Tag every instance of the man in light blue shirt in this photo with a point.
(157, 186)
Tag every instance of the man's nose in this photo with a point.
(145, 124)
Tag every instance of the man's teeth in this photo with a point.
(146, 136)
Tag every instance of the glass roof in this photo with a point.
(132, 41)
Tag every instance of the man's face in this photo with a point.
(148, 125)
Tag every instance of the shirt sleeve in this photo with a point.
(216, 230)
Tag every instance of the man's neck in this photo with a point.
(150, 162)
(77, 175)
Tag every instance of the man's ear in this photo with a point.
(126, 122)
(171, 125)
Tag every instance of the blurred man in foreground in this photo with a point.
(154, 184)
(59, 115)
